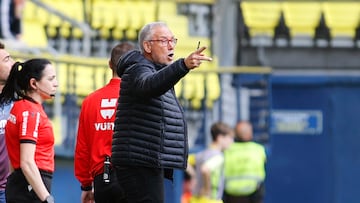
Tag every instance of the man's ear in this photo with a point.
(147, 46)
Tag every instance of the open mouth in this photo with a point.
(171, 55)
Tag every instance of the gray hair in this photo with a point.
(146, 33)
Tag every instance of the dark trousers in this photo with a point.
(18, 190)
(108, 192)
(256, 197)
(141, 184)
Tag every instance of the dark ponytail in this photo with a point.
(9, 92)
(18, 82)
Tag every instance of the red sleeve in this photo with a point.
(82, 151)
(29, 126)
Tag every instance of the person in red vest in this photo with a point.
(94, 137)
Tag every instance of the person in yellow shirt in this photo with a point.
(244, 168)
(209, 166)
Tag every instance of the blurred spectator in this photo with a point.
(244, 168)
(188, 183)
(209, 165)
(10, 18)
(189, 180)
(6, 63)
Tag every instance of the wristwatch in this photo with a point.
(49, 199)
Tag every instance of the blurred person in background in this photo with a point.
(150, 133)
(6, 63)
(11, 18)
(94, 137)
(189, 180)
(244, 167)
(29, 133)
(209, 165)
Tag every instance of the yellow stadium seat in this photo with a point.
(51, 30)
(42, 15)
(84, 79)
(178, 25)
(190, 43)
(102, 76)
(148, 9)
(63, 25)
(56, 123)
(261, 17)
(29, 12)
(193, 89)
(213, 89)
(122, 19)
(342, 18)
(71, 11)
(108, 23)
(109, 14)
(194, 85)
(104, 16)
(199, 91)
(52, 21)
(63, 76)
(139, 12)
(33, 13)
(78, 16)
(212, 84)
(166, 9)
(34, 34)
(188, 86)
(302, 17)
(80, 79)
(97, 15)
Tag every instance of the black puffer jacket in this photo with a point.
(150, 129)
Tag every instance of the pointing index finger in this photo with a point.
(202, 57)
(198, 51)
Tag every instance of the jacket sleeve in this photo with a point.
(147, 82)
(82, 152)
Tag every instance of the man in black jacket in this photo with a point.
(150, 134)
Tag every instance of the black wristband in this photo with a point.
(87, 188)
